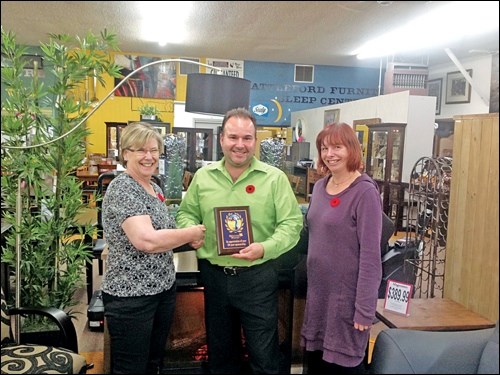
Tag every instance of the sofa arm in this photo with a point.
(400, 351)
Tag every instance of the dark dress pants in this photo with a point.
(138, 330)
(246, 301)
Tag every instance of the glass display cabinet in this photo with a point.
(199, 146)
(384, 163)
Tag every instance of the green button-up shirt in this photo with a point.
(274, 213)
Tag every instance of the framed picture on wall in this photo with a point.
(434, 87)
(457, 88)
(331, 116)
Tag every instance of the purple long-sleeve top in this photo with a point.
(344, 270)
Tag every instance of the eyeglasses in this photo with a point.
(143, 152)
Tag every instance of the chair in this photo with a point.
(186, 179)
(295, 182)
(39, 357)
(403, 351)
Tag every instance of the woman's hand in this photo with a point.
(196, 244)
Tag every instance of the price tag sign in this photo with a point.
(397, 297)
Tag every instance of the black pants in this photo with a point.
(246, 301)
(138, 330)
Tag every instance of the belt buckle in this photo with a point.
(230, 271)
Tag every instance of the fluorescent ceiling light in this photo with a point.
(446, 24)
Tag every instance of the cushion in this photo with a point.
(41, 359)
(488, 364)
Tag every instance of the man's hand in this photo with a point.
(252, 252)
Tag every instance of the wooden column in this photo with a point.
(471, 269)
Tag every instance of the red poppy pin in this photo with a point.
(334, 202)
(160, 197)
(250, 189)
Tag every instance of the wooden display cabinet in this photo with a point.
(384, 163)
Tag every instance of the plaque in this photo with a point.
(234, 229)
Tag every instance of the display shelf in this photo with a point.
(384, 164)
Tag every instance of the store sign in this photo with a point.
(232, 68)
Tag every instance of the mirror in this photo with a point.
(299, 125)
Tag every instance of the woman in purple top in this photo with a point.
(344, 267)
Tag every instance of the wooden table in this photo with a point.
(434, 314)
(87, 176)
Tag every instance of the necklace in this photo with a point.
(334, 184)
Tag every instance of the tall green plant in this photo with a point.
(41, 149)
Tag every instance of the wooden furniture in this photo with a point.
(361, 128)
(471, 269)
(312, 177)
(105, 167)
(434, 314)
(198, 146)
(384, 163)
(186, 179)
(295, 182)
(87, 176)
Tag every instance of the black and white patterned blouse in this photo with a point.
(131, 272)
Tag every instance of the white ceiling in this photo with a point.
(303, 32)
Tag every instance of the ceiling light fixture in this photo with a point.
(436, 28)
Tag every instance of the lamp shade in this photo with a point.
(216, 94)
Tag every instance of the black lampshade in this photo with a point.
(214, 94)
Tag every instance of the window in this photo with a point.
(304, 73)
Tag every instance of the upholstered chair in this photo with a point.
(26, 358)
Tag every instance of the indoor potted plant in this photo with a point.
(149, 112)
(41, 150)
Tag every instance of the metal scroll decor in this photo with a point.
(272, 152)
(429, 197)
(175, 147)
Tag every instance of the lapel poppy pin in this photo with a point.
(334, 202)
(160, 197)
(250, 189)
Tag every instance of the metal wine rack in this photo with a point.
(429, 197)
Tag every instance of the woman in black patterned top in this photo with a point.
(139, 283)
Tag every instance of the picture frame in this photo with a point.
(434, 88)
(331, 116)
(31, 60)
(457, 88)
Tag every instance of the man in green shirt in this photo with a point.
(241, 290)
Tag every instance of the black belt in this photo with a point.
(233, 270)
